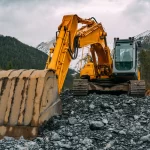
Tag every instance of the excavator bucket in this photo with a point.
(27, 99)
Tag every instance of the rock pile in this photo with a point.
(93, 122)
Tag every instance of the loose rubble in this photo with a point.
(93, 122)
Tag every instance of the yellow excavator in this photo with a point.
(30, 97)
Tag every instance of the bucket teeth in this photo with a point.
(27, 99)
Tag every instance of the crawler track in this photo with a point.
(80, 87)
(137, 88)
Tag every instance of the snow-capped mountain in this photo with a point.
(143, 35)
(45, 46)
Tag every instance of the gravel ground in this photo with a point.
(93, 122)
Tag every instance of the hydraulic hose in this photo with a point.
(94, 19)
(74, 54)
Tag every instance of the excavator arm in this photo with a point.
(70, 38)
(95, 36)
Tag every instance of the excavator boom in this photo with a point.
(70, 38)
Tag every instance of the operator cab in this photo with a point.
(124, 55)
(125, 58)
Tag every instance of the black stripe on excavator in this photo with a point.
(94, 19)
(73, 54)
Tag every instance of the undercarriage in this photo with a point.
(132, 87)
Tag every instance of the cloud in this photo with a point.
(135, 17)
(34, 21)
(137, 10)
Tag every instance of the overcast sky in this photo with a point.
(34, 21)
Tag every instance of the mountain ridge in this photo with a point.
(20, 55)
